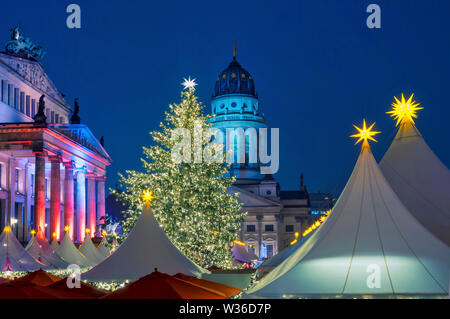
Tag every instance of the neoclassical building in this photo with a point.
(52, 167)
(274, 216)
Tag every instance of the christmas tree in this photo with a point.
(191, 202)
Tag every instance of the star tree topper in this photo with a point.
(404, 109)
(189, 83)
(365, 133)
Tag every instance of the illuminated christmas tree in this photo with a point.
(191, 202)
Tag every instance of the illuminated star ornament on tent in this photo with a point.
(189, 83)
(369, 230)
(417, 175)
(365, 133)
(404, 109)
(147, 247)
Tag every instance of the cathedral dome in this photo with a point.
(234, 80)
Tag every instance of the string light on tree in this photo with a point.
(404, 109)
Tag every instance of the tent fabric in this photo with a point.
(13, 256)
(242, 255)
(70, 254)
(39, 278)
(90, 252)
(41, 250)
(420, 179)
(54, 244)
(225, 290)
(103, 249)
(146, 247)
(368, 231)
(163, 286)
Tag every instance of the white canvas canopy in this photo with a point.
(54, 244)
(103, 249)
(90, 251)
(41, 250)
(13, 256)
(241, 254)
(420, 179)
(70, 254)
(369, 244)
(146, 248)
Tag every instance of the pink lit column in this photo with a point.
(92, 223)
(68, 197)
(39, 194)
(81, 204)
(55, 198)
(101, 199)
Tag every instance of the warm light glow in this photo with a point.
(87, 230)
(296, 234)
(365, 133)
(316, 224)
(32, 232)
(66, 228)
(54, 235)
(147, 197)
(239, 243)
(104, 233)
(404, 109)
(7, 229)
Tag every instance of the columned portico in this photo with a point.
(91, 205)
(55, 197)
(39, 194)
(81, 204)
(101, 199)
(68, 197)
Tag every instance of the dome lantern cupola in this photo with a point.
(234, 80)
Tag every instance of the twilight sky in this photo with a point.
(318, 69)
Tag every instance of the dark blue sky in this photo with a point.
(317, 67)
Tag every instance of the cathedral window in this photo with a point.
(268, 228)
(289, 228)
(251, 228)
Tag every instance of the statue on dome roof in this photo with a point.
(19, 44)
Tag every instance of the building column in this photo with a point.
(279, 218)
(101, 200)
(39, 195)
(259, 219)
(28, 193)
(68, 198)
(55, 198)
(298, 221)
(91, 209)
(11, 203)
(81, 204)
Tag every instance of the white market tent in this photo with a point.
(147, 247)
(369, 232)
(90, 252)
(54, 244)
(70, 254)
(41, 250)
(103, 249)
(420, 179)
(13, 256)
(241, 254)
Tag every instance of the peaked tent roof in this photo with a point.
(419, 179)
(147, 247)
(103, 249)
(54, 244)
(70, 254)
(41, 250)
(90, 251)
(243, 255)
(369, 230)
(13, 256)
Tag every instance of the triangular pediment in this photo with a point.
(33, 73)
(252, 200)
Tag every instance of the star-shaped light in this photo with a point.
(189, 83)
(404, 109)
(365, 133)
(147, 197)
